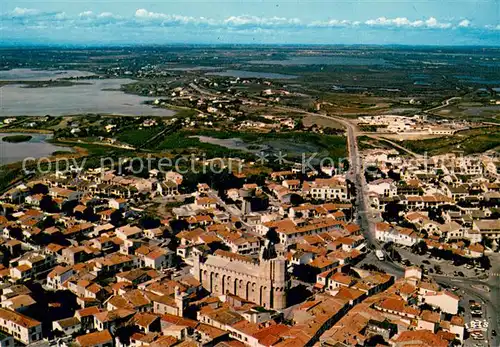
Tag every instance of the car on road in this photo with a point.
(425, 261)
(379, 254)
(460, 273)
(477, 336)
(494, 332)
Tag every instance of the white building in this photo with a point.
(58, 276)
(383, 187)
(402, 236)
(159, 259)
(21, 327)
(327, 189)
(446, 301)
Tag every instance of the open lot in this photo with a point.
(467, 142)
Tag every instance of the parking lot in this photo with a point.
(453, 278)
(439, 266)
(477, 328)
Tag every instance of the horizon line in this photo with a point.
(22, 45)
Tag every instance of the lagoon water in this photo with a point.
(40, 75)
(90, 96)
(322, 60)
(250, 74)
(37, 147)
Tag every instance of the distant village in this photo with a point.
(415, 125)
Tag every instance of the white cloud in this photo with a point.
(23, 12)
(61, 16)
(148, 20)
(405, 22)
(234, 21)
(168, 19)
(99, 18)
(333, 23)
(86, 14)
(142, 13)
(433, 23)
(464, 24)
(492, 27)
(261, 21)
(107, 15)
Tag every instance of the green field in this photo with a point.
(293, 143)
(137, 136)
(290, 142)
(182, 142)
(365, 142)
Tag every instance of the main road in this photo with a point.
(357, 176)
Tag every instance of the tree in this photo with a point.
(69, 206)
(178, 225)
(345, 165)
(393, 175)
(116, 218)
(48, 205)
(218, 245)
(273, 236)
(259, 179)
(426, 307)
(435, 214)
(296, 199)
(39, 189)
(16, 233)
(376, 340)
(89, 215)
(484, 262)
(392, 211)
(487, 242)
(395, 255)
(149, 222)
(388, 246)
(46, 223)
(419, 248)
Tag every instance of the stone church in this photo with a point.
(263, 281)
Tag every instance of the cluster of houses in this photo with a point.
(217, 272)
(439, 200)
(415, 125)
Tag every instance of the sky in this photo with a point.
(111, 22)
